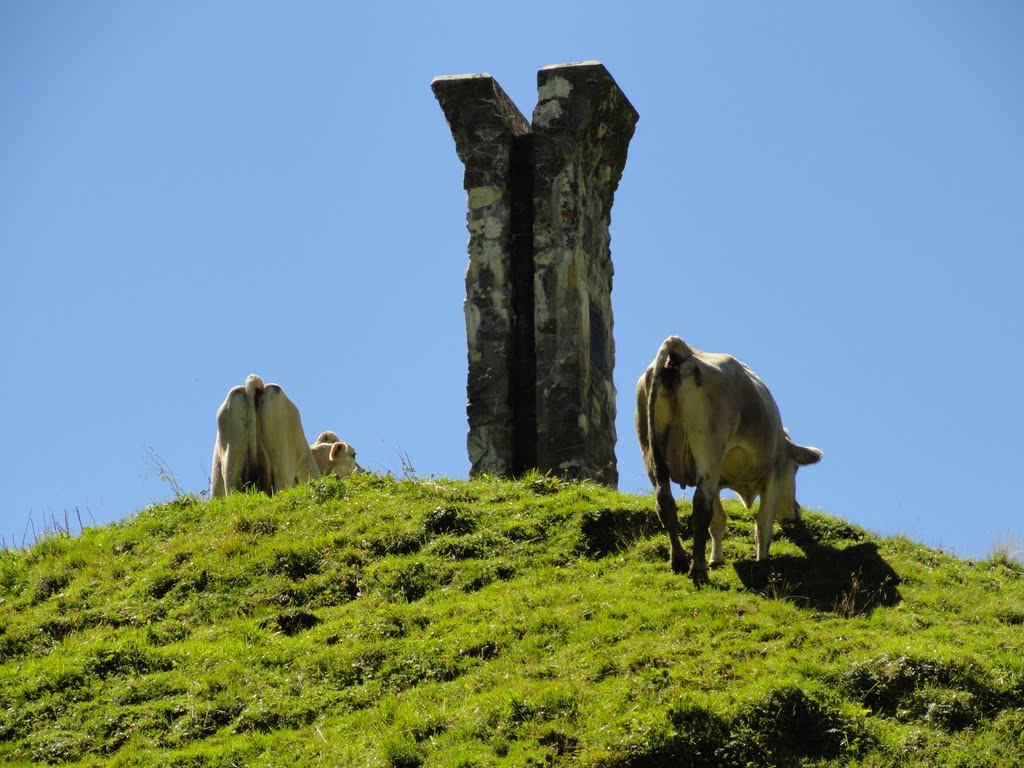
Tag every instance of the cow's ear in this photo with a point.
(336, 449)
(803, 454)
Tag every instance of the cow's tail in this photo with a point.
(667, 373)
(256, 465)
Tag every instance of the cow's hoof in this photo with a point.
(714, 565)
(699, 576)
(679, 565)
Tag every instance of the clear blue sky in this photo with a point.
(192, 191)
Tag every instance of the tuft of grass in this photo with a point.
(397, 621)
(1008, 551)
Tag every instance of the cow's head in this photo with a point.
(796, 456)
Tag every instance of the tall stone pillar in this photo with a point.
(485, 125)
(538, 287)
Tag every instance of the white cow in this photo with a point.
(260, 442)
(706, 420)
(334, 456)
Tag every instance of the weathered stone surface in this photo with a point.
(582, 126)
(538, 286)
(484, 123)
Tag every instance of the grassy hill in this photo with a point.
(386, 622)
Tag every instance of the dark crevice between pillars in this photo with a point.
(523, 361)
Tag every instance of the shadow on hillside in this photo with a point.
(850, 581)
(606, 531)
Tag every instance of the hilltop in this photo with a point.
(378, 621)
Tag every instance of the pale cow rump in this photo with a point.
(260, 442)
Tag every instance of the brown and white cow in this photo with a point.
(260, 443)
(334, 456)
(706, 420)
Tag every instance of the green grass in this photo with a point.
(383, 622)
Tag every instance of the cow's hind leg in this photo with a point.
(669, 515)
(285, 470)
(307, 468)
(703, 513)
(217, 487)
(233, 469)
(717, 531)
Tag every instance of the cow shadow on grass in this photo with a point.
(850, 580)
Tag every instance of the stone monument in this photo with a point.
(538, 286)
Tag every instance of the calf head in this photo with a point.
(342, 460)
(334, 456)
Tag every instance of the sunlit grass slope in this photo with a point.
(385, 622)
